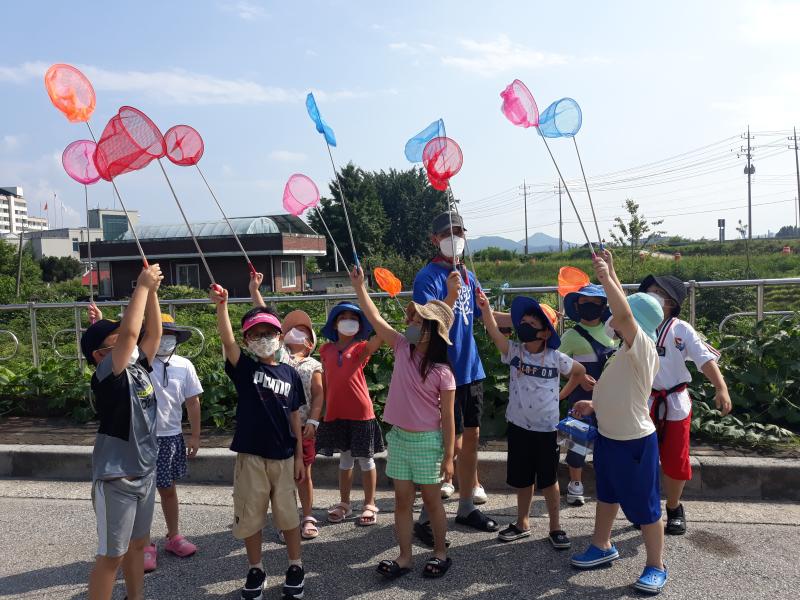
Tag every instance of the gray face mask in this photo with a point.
(413, 334)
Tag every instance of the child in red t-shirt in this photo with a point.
(349, 426)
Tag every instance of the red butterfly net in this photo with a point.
(70, 92)
(442, 159)
(129, 142)
(184, 145)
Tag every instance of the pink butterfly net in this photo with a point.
(78, 161)
(300, 194)
(184, 145)
(519, 107)
(129, 142)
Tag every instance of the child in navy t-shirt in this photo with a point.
(267, 441)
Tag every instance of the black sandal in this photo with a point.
(477, 520)
(424, 533)
(391, 570)
(436, 567)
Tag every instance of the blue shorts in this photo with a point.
(171, 462)
(627, 473)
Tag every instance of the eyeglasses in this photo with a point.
(264, 336)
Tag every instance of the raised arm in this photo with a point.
(492, 329)
(624, 322)
(152, 327)
(385, 332)
(131, 324)
(255, 289)
(232, 351)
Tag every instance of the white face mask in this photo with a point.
(658, 298)
(609, 329)
(446, 246)
(348, 327)
(167, 345)
(264, 347)
(295, 336)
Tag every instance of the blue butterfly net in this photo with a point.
(322, 126)
(416, 144)
(562, 118)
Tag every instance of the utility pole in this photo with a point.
(525, 200)
(560, 222)
(797, 174)
(749, 170)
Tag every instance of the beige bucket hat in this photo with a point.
(434, 310)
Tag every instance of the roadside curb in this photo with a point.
(756, 478)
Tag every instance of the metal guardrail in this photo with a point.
(330, 299)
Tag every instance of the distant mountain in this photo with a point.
(538, 242)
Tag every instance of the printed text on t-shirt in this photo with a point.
(281, 388)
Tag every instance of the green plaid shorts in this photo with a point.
(415, 456)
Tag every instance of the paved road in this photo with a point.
(733, 550)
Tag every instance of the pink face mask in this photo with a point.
(295, 336)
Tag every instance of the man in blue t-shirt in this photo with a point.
(267, 441)
(445, 278)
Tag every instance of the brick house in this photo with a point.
(278, 246)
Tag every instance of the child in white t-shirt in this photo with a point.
(532, 413)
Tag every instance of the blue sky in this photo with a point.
(654, 80)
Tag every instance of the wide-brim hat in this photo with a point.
(590, 291)
(93, 337)
(523, 305)
(329, 331)
(299, 317)
(670, 284)
(434, 310)
(168, 326)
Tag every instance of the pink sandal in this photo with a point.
(339, 513)
(309, 530)
(369, 515)
(150, 558)
(180, 546)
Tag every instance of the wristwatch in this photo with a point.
(313, 422)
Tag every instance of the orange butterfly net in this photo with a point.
(387, 281)
(71, 92)
(571, 279)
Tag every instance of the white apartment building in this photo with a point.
(14, 217)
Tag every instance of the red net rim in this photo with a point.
(182, 159)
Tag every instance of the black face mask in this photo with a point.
(528, 333)
(590, 311)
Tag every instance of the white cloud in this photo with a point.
(287, 156)
(227, 170)
(767, 22)
(412, 47)
(10, 142)
(773, 109)
(177, 86)
(500, 56)
(310, 52)
(245, 10)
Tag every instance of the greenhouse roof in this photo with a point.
(242, 225)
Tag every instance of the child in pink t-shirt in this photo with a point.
(420, 409)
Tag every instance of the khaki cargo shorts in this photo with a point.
(258, 483)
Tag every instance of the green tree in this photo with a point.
(366, 214)
(60, 268)
(788, 232)
(636, 234)
(410, 204)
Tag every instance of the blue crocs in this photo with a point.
(652, 580)
(594, 557)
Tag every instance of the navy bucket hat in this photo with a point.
(329, 331)
(592, 291)
(523, 305)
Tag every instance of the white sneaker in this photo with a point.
(448, 489)
(479, 495)
(575, 494)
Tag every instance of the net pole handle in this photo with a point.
(588, 193)
(224, 216)
(344, 204)
(188, 225)
(125, 210)
(328, 231)
(89, 245)
(569, 195)
(466, 242)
